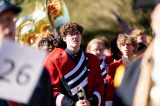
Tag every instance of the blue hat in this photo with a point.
(6, 5)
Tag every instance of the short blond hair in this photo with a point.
(93, 41)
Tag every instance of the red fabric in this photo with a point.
(110, 79)
(50, 67)
(109, 60)
(58, 64)
(13, 103)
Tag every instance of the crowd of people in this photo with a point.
(97, 76)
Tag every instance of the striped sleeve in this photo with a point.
(98, 96)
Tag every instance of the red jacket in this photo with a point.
(110, 79)
(65, 76)
(109, 60)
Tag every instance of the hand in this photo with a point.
(83, 103)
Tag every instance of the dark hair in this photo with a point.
(58, 40)
(52, 40)
(47, 41)
(116, 53)
(70, 27)
(141, 46)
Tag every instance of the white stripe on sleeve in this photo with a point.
(98, 96)
(59, 99)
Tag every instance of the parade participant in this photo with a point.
(7, 28)
(141, 39)
(7, 14)
(41, 95)
(45, 42)
(141, 81)
(107, 50)
(72, 69)
(127, 45)
(97, 47)
(50, 40)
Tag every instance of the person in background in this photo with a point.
(140, 36)
(41, 96)
(8, 13)
(107, 50)
(97, 47)
(72, 68)
(50, 40)
(141, 80)
(127, 45)
(7, 29)
(45, 42)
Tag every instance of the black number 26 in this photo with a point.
(22, 77)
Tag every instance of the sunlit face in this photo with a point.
(73, 41)
(7, 25)
(127, 50)
(97, 49)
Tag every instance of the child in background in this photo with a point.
(97, 47)
(106, 40)
(127, 45)
(49, 41)
(140, 36)
(45, 42)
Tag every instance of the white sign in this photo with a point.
(20, 70)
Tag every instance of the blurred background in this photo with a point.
(97, 16)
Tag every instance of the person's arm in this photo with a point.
(96, 98)
(59, 98)
(109, 89)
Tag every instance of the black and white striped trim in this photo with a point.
(98, 96)
(78, 76)
(103, 70)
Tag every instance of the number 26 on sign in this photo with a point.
(22, 77)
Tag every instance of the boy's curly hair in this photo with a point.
(125, 38)
(50, 40)
(71, 27)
